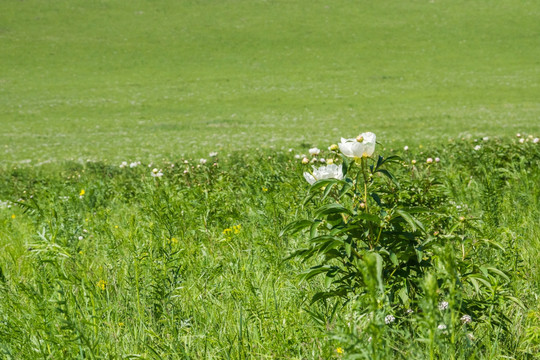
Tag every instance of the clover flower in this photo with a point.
(389, 319)
(405, 148)
(324, 172)
(443, 305)
(362, 146)
(429, 160)
(536, 140)
(213, 154)
(123, 164)
(477, 147)
(466, 319)
(134, 164)
(202, 161)
(441, 327)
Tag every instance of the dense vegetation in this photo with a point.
(101, 260)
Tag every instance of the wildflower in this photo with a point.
(405, 148)
(314, 151)
(324, 172)
(82, 192)
(102, 284)
(202, 161)
(339, 350)
(13, 216)
(485, 138)
(305, 161)
(413, 161)
(536, 140)
(81, 238)
(290, 150)
(518, 135)
(333, 147)
(470, 336)
(213, 154)
(437, 160)
(443, 305)
(409, 311)
(441, 327)
(123, 164)
(264, 189)
(389, 319)
(134, 164)
(322, 160)
(466, 319)
(362, 146)
(156, 173)
(477, 147)
(429, 160)
(297, 156)
(174, 240)
(236, 228)
(329, 161)
(314, 160)
(522, 140)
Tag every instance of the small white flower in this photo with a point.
(485, 138)
(297, 156)
(413, 161)
(443, 305)
(362, 146)
(389, 319)
(213, 154)
(123, 164)
(470, 336)
(406, 148)
(441, 327)
(437, 160)
(186, 171)
(202, 161)
(522, 140)
(186, 162)
(322, 160)
(536, 140)
(290, 150)
(134, 164)
(314, 151)
(429, 160)
(466, 319)
(518, 135)
(477, 147)
(156, 173)
(314, 160)
(324, 172)
(305, 161)
(81, 238)
(409, 311)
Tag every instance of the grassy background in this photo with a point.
(150, 80)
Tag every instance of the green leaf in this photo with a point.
(295, 227)
(333, 208)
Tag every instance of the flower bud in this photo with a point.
(405, 148)
(333, 147)
(437, 160)
(429, 160)
(329, 161)
(413, 161)
(305, 161)
(360, 138)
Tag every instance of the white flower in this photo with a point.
(305, 160)
(123, 164)
(437, 159)
(429, 160)
(522, 140)
(470, 336)
(409, 311)
(81, 238)
(362, 146)
(443, 305)
(405, 148)
(389, 319)
(322, 160)
(441, 327)
(213, 154)
(536, 140)
(324, 172)
(485, 138)
(314, 151)
(202, 161)
(156, 173)
(134, 164)
(466, 319)
(290, 150)
(518, 135)
(477, 147)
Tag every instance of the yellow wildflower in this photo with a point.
(82, 192)
(102, 284)
(13, 216)
(339, 350)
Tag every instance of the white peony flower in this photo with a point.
(362, 146)
(324, 172)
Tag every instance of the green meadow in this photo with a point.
(153, 193)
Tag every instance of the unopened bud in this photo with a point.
(329, 161)
(360, 138)
(305, 161)
(333, 147)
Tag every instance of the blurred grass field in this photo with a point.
(117, 80)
